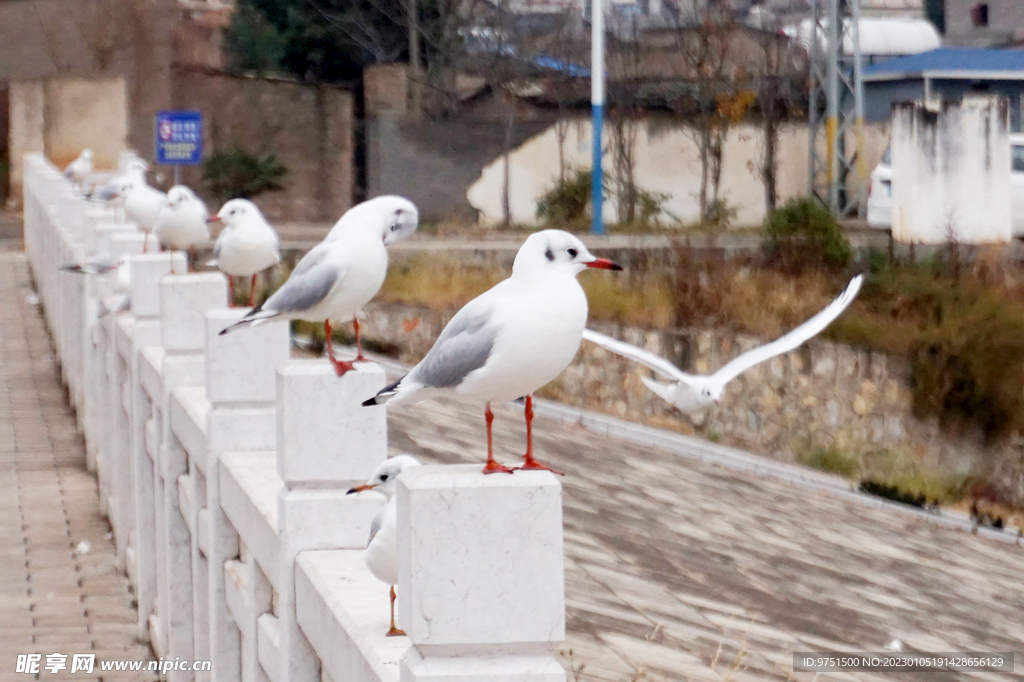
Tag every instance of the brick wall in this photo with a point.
(308, 127)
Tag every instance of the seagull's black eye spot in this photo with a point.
(573, 253)
(549, 254)
(394, 228)
(383, 477)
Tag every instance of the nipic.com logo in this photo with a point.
(31, 663)
(35, 664)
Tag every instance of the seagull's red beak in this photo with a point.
(213, 219)
(360, 488)
(604, 264)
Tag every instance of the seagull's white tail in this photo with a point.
(664, 391)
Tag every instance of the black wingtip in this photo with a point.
(370, 402)
(222, 332)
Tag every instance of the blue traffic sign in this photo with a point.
(178, 138)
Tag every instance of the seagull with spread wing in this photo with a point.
(692, 393)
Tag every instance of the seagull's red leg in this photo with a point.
(492, 467)
(191, 259)
(359, 344)
(252, 289)
(528, 461)
(340, 366)
(231, 291)
(394, 631)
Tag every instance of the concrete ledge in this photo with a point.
(248, 495)
(343, 611)
(188, 408)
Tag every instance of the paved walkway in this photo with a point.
(675, 569)
(54, 598)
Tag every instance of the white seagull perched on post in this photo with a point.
(142, 203)
(246, 246)
(382, 551)
(512, 339)
(342, 273)
(181, 223)
(79, 170)
(691, 393)
(111, 193)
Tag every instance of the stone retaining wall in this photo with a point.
(822, 395)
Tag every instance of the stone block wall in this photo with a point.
(308, 127)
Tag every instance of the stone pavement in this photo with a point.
(53, 597)
(675, 569)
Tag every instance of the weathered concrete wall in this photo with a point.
(953, 165)
(309, 128)
(819, 396)
(27, 104)
(85, 113)
(63, 116)
(667, 162)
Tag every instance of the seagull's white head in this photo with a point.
(236, 212)
(179, 195)
(87, 155)
(557, 250)
(712, 393)
(383, 479)
(391, 218)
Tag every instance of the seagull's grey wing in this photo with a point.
(377, 522)
(313, 278)
(793, 339)
(463, 346)
(649, 360)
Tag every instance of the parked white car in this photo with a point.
(880, 189)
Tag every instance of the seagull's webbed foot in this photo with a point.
(395, 632)
(530, 464)
(493, 467)
(341, 367)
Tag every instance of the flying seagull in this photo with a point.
(691, 393)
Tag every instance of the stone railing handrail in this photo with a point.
(223, 467)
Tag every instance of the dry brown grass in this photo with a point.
(446, 284)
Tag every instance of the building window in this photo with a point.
(979, 15)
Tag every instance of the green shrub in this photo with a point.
(803, 233)
(237, 174)
(568, 201)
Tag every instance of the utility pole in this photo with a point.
(836, 115)
(597, 113)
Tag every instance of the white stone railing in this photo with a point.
(223, 466)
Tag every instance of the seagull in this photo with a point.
(382, 551)
(510, 340)
(119, 299)
(181, 222)
(246, 246)
(142, 203)
(110, 193)
(342, 273)
(692, 393)
(80, 169)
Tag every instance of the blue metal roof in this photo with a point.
(950, 60)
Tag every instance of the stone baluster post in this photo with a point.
(241, 388)
(481, 585)
(185, 300)
(326, 443)
(147, 271)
